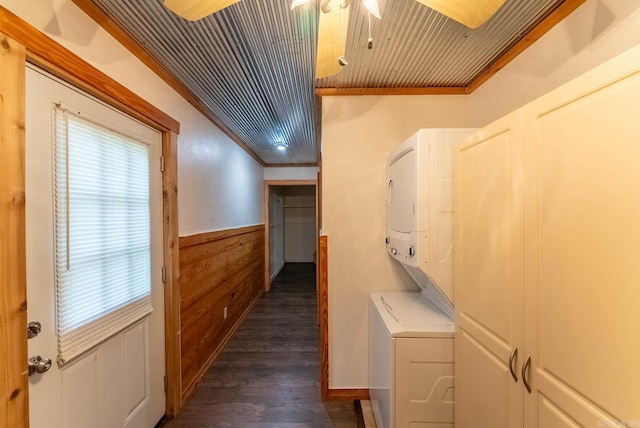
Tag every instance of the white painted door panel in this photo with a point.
(583, 241)
(120, 382)
(489, 276)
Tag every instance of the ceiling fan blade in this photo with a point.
(471, 13)
(196, 9)
(332, 40)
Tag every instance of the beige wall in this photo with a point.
(358, 132)
(594, 33)
(291, 173)
(357, 135)
(219, 185)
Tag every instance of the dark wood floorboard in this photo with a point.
(268, 374)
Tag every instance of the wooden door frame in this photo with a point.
(21, 43)
(267, 236)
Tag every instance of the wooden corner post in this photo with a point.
(14, 391)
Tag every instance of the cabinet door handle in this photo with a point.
(525, 369)
(513, 358)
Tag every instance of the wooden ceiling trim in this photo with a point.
(560, 13)
(48, 54)
(333, 92)
(550, 21)
(291, 165)
(121, 35)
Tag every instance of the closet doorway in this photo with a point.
(291, 224)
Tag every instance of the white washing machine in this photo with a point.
(411, 364)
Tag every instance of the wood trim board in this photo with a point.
(556, 16)
(59, 61)
(323, 304)
(445, 90)
(560, 13)
(14, 390)
(347, 394)
(203, 238)
(40, 50)
(172, 273)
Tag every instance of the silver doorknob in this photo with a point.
(37, 364)
(33, 329)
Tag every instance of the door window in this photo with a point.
(102, 231)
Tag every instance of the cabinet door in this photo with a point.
(582, 234)
(488, 276)
(424, 382)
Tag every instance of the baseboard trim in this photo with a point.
(190, 389)
(347, 394)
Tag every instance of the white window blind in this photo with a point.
(102, 226)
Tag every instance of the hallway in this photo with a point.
(268, 374)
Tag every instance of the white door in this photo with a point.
(119, 382)
(582, 240)
(489, 277)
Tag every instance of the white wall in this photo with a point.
(291, 173)
(358, 132)
(219, 185)
(357, 135)
(276, 230)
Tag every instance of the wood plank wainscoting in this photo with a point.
(218, 270)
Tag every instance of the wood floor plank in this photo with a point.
(268, 374)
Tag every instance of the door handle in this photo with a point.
(37, 364)
(525, 370)
(513, 358)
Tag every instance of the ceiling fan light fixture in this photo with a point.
(194, 10)
(372, 7)
(332, 40)
(296, 3)
(472, 13)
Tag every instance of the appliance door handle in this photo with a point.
(525, 369)
(513, 358)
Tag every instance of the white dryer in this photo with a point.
(411, 365)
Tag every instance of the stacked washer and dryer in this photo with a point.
(411, 333)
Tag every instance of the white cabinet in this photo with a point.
(582, 234)
(547, 259)
(411, 369)
(489, 275)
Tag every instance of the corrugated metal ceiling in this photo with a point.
(253, 63)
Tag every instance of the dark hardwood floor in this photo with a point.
(268, 375)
